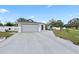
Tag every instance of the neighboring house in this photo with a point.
(56, 28)
(31, 26)
(9, 28)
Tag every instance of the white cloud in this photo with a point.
(32, 17)
(3, 10)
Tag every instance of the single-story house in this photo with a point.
(31, 26)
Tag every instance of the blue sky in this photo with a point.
(40, 13)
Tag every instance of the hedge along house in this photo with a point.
(30, 26)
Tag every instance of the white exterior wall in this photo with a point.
(19, 27)
(3, 28)
(44, 27)
(57, 28)
(39, 29)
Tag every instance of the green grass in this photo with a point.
(5, 34)
(71, 35)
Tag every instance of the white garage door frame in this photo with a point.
(30, 28)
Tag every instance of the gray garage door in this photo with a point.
(29, 28)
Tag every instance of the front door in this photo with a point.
(41, 27)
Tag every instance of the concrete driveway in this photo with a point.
(44, 42)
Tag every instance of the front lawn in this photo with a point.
(72, 35)
(5, 34)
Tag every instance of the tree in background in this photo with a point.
(74, 23)
(51, 23)
(24, 20)
(60, 24)
(10, 24)
(21, 20)
(54, 23)
(1, 24)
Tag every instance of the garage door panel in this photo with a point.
(29, 28)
